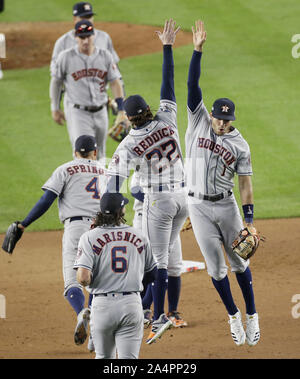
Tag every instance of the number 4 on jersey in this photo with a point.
(93, 187)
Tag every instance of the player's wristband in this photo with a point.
(248, 210)
(120, 103)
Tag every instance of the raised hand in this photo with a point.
(168, 35)
(199, 35)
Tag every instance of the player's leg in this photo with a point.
(101, 127)
(79, 122)
(174, 283)
(241, 268)
(238, 265)
(73, 292)
(158, 213)
(157, 225)
(103, 325)
(209, 238)
(147, 298)
(130, 332)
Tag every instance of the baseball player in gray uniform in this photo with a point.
(78, 184)
(174, 264)
(83, 11)
(85, 70)
(215, 152)
(115, 261)
(153, 149)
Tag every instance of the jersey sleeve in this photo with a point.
(58, 70)
(56, 182)
(122, 162)
(85, 255)
(58, 47)
(112, 71)
(111, 49)
(244, 165)
(167, 112)
(199, 118)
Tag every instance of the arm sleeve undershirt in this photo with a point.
(194, 90)
(40, 208)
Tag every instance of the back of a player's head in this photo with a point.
(135, 105)
(137, 110)
(111, 210)
(85, 144)
(111, 203)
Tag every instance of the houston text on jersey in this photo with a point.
(206, 143)
(90, 72)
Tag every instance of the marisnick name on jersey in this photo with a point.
(113, 236)
(206, 143)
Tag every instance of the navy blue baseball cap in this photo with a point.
(223, 109)
(84, 28)
(111, 203)
(135, 105)
(83, 9)
(85, 143)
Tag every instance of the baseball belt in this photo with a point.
(114, 294)
(90, 108)
(165, 187)
(212, 198)
(78, 218)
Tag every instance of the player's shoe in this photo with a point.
(176, 319)
(147, 318)
(252, 329)
(90, 346)
(159, 327)
(237, 330)
(81, 329)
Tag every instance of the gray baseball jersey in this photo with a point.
(211, 164)
(118, 257)
(101, 39)
(212, 160)
(79, 185)
(175, 252)
(153, 150)
(85, 76)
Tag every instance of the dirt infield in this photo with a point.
(30, 45)
(39, 322)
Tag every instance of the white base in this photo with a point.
(190, 266)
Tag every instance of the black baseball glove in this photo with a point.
(12, 236)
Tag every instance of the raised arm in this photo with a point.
(167, 38)
(194, 90)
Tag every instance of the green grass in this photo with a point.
(247, 57)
